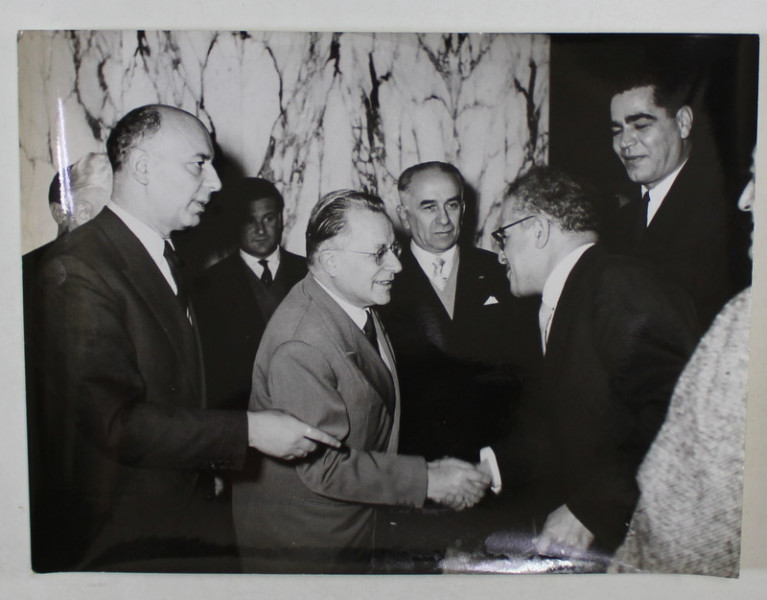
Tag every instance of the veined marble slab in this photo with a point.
(313, 112)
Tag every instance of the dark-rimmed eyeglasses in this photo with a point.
(500, 237)
(379, 256)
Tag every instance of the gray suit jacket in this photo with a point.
(316, 364)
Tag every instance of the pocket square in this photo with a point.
(491, 300)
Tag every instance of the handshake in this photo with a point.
(456, 483)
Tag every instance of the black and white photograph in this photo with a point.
(384, 303)
(372, 302)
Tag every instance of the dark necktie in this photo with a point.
(175, 269)
(266, 276)
(646, 202)
(370, 330)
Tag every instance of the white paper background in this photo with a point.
(16, 579)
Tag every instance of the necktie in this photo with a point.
(266, 276)
(646, 199)
(436, 274)
(545, 313)
(370, 330)
(175, 270)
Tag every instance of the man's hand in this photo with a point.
(456, 483)
(283, 436)
(563, 535)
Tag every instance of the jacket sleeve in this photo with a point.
(303, 383)
(129, 404)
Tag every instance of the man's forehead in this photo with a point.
(362, 223)
(634, 101)
(423, 181)
(184, 133)
(263, 204)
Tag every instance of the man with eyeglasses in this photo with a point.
(615, 338)
(326, 359)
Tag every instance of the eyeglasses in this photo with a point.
(500, 237)
(379, 255)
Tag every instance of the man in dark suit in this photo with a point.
(679, 219)
(615, 339)
(124, 384)
(326, 359)
(73, 199)
(235, 298)
(450, 321)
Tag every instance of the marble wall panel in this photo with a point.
(311, 111)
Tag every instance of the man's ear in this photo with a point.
(684, 121)
(59, 214)
(138, 165)
(328, 262)
(541, 231)
(402, 215)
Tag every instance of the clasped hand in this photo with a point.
(456, 483)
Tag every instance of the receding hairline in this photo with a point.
(430, 169)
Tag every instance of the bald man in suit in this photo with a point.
(124, 384)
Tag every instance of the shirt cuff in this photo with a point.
(487, 456)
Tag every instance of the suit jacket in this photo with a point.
(617, 344)
(688, 240)
(124, 385)
(460, 377)
(232, 307)
(45, 556)
(316, 364)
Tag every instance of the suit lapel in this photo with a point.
(142, 273)
(415, 290)
(678, 203)
(246, 285)
(562, 321)
(470, 286)
(353, 344)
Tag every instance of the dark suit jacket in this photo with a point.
(460, 377)
(688, 240)
(232, 307)
(618, 341)
(45, 556)
(124, 385)
(316, 364)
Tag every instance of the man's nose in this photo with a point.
(626, 138)
(212, 180)
(392, 262)
(442, 217)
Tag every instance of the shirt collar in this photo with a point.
(660, 191)
(149, 238)
(556, 280)
(426, 259)
(356, 314)
(273, 260)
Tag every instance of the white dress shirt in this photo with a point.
(555, 283)
(359, 316)
(426, 260)
(273, 260)
(150, 239)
